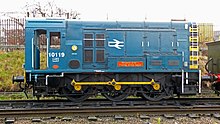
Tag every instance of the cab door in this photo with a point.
(39, 43)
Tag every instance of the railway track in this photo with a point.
(157, 110)
(102, 107)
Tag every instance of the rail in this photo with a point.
(103, 107)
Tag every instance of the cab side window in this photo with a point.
(55, 40)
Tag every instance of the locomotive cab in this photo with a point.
(48, 38)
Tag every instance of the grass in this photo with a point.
(22, 96)
(10, 64)
(14, 96)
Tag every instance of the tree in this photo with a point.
(50, 9)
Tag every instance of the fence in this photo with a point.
(11, 33)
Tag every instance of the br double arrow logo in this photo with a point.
(116, 43)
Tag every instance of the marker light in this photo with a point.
(74, 47)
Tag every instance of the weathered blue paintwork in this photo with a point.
(161, 46)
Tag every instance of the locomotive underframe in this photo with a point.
(170, 84)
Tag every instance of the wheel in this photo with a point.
(110, 93)
(150, 94)
(77, 96)
(38, 97)
(216, 87)
(165, 92)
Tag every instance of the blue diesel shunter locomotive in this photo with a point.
(152, 60)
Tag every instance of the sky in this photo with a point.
(200, 11)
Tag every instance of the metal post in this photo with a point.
(183, 81)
